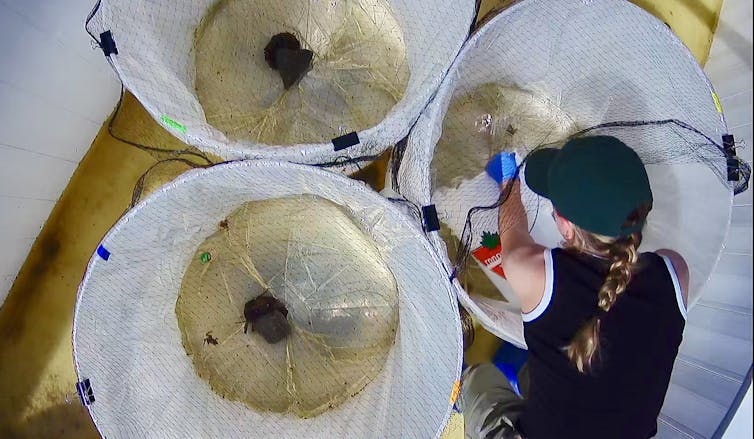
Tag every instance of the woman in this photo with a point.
(602, 322)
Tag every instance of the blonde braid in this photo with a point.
(624, 256)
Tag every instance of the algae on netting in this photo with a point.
(334, 304)
(493, 118)
(358, 72)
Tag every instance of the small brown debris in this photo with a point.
(209, 339)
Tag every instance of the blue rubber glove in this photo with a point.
(502, 167)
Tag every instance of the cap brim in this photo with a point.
(538, 168)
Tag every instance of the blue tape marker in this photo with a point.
(103, 253)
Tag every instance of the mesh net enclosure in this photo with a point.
(284, 80)
(267, 299)
(316, 267)
(537, 74)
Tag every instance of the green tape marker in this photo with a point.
(173, 124)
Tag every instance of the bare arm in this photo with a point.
(522, 258)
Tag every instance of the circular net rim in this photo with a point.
(373, 141)
(415, 183)
(409, 236)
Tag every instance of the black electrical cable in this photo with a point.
(89, 18)
(110, 130)
(139, 187)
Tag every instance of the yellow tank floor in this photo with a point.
(37, 379)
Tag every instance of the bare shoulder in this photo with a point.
(525, 270)
(681, 269)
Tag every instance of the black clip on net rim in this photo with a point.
(430, 220)
(739, 172)
(107, 43)
(346, 141)
(86, 394)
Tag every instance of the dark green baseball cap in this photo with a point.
(597, 182)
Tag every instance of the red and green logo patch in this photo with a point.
(489, 254)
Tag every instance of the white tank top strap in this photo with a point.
(549, 287)
(676, 286)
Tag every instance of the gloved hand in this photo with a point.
(502, 167)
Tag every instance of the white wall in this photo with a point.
(717, 348)
(741, 425)
(55, 92)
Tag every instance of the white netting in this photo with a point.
(537, 73)
(288, 306)
(128, 339)
(199, 68)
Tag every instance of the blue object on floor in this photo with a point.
(510, 359)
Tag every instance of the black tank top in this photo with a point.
(640, 337)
